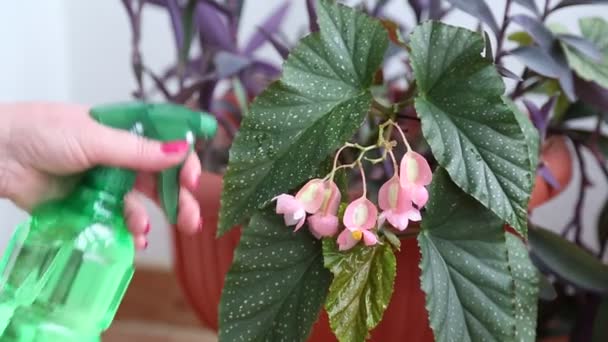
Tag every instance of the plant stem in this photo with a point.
(503, 30)
(576, 221)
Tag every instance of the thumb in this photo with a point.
(113, 147)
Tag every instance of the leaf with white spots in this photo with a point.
(361, 288)
(276, 285)
(318, 104)
(471, 131)
(527, 281)
(465, 268)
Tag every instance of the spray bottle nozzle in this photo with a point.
(164, 122)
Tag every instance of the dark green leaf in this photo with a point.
(600, 328)
(602, 225)
(568, 261)
(465, 268)
(471, 131)
(361, 289)
(546, 289)
(579, 110)
(530, 132)
(596, 31)
(276, 285)
(319, 103)
(527, 280)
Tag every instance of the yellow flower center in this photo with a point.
(357, 235)
(393, 194)
(326, 197)
(360, 214)
(412, 169)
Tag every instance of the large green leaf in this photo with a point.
(568, 261)
(465, 268)
(319, 103)
(471, 131)
(276, 285)
(530, 132)
(361, 289)
(596, 31)
(527, 280)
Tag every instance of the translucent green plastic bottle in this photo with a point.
(66, 269)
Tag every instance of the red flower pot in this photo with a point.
(202, 261)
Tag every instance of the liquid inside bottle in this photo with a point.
(66, 270)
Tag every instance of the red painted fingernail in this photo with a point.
(147, 229)
(146, 244)
(175, 147)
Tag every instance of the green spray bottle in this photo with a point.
(66, 269)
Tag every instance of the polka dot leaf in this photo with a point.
(361, 288)
(276, 286)
(527, 281)
(318, 104)
(472, 133)
(465, 270)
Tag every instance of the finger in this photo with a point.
(141, 242)
(113, 147)
(146, 184)
(190, 174)
(136, 215)
(189, 218)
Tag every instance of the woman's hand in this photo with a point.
(41, 144)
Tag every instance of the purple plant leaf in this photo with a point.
(213, 29)
(508, 73)
(551, 64)
(529, 4)
(538, 60)
(546, 173)
(312, 16)
(583, 46)
(378, 7)
(281, 48)
(266, 69)
(478, 9)
(435, 11)
(541, 34)
(227, 64)
(270, 26)
(540, 116)
(535, 116)
(418, 6)
(258, 76)
(175, 13)
(546, 108)
(592, 93)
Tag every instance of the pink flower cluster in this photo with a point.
(321, 199)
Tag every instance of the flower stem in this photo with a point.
(362, 178)
(394, 161)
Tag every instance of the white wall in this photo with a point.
(79, 51)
